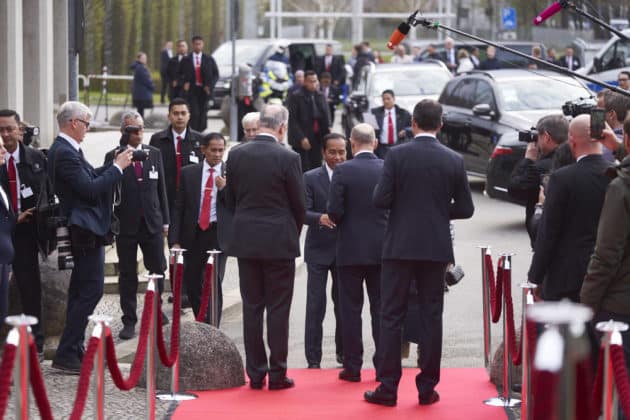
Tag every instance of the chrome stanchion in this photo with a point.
(559, 347)
(100, 331)
(505, 400)
(151, 342)
(610, 401)
(214, 290)
(175, 395)
(21, 325)
(526, 390)
(487, 320)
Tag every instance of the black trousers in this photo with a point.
(27, 276)
(316, 310)
(152, 246)
(397, 277)
(4, 290)
(351, 279)
(84, 293)
(266, 285)
(198, 101)
(164, 82)
(195, 260)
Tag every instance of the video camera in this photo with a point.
(138, 155)
(528, 136)
(578, 107)
(65, 261)
(28, 132)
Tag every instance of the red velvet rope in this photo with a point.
(169, 360)
(141, 350)
(583, 387)
(205, 295)
(6, 368)
(495, 287)
(544, 394)
(621, 376)
(84, 379)
(515, 351)
(37, 383)
(598, 385)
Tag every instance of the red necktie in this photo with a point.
(198, 71)
(13, 184)
(138, 168)
(204, 215)
(390, 128)
(178, 158)
(328, 64)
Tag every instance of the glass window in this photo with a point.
(484, 94)
(617, 56)
(422, 80)
(550, 92)
(463, 94)
(246, 52)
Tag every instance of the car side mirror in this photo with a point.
(483, 110)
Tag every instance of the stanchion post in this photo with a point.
(526, 390)
(175, 395)
(100, 330)
(21, 324)
(485, 290)
(214, 292)
(150, 367)
(611, 335)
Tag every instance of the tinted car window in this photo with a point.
(484, 94)
(522, 94)
(463, 94)
(246, 52)
(414, 81)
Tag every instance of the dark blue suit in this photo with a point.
(85, 196)
(424, 185)
(359, 246)
(319, 254)
(7, 224)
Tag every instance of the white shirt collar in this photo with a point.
(183, 134)
(579, 158)
(425, 135)
(217, 167)
(70, 140)
(269, 135)
(362, 151)
(15, 154)
(328, 170)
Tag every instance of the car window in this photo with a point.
(463, 94)
(246, 52)
(421, 80)
(302, 57)
(617, 56)
(521, 94)
(484, 94)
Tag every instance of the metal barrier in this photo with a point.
(611, 336)
(100, 330)
(21, 372)
(526, 389)
(151, 348)
(104, 96)
(214, 290)
(487, 323)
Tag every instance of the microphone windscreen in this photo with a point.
(547, 13)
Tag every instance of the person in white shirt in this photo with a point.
(400, 56)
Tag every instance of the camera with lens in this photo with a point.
(138, 155)
(28, 132)
(578, 107)
(528, 136)
(64, 247)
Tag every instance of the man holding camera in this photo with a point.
(85, 198)
(143, 215)
(22, 176)
(526, 179)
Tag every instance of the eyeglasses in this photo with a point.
(86, 123)
(623, 80)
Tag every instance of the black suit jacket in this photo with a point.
(265, 190)
(337, 68)
(209, 71)
(146, 199)
(568, 229)
(361, 225)
(403, 121)
(424, 185)
(319, 247)
(173, 71)
(85, 193)
(164, 60)
(301, 118)
(163, 140)
(576, 62)
(7, 225)
(32, 172)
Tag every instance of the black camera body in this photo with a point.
(578, 107)
(28, 132)
(65, 261)
(528, 136)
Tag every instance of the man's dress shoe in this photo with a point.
(257, 384)
(346, 375)
(379, 397)
(313, 366)
(281, 384)
(429, 399)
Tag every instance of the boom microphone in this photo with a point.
(398, 35)
(547, 13)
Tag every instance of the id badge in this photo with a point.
(26, 192)
(193, 158)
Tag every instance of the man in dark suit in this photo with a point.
(319, 251)
(332, 93)
(144, 219)
(22, 177)
(165, 56)
(268, 216)
(568, 230)
(424, 185)
(570, 61)
(392, 123)
(7, 224)
(449, 55)
(309, 122)
(333, 64)
(85, 198)
(200, 73)
(197, 219)
(361, 229)
(174, 73)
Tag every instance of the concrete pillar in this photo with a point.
(249, 26)
(357, 21)
(60, 52)
(38, 67)
(11, 64)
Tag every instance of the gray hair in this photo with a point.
(299, 73)
(556, 126)
(363, 133)
(251, 118)
(273, 116)
(71, 110)
(129, 115)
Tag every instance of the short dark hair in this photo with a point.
(178, 101)
(428, 114)
(207, 138)
(10, 113)
(388, 91)
(627, 73)
(308, 73)
(325, 75)
(197, 38)
(331, 136)
(617, 102)
(556, 126)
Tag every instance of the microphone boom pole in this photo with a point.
(565, 4)
(436, 25)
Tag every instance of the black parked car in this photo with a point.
(485, 110)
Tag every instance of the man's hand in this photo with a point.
(531, 152)
(220, 182)
(402, 134)
(26, 215)
(174, 83)
(207, 90)
(538, 293)
(123, 159)
(186, 86)
(165, 230)
(176, 246)
(609, 139)
(324, 220)
(306, 145)
(541, 195)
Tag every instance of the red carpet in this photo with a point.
(319, 395)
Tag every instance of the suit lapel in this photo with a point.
(323, 178)
(196, 186)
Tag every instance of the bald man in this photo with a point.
(568, 230)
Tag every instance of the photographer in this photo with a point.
(526, 178)
(85, 198)
(142, 210)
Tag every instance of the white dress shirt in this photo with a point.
(384, 132)
(329, 171)
(205, 174)
(175, 135)
(5, 199)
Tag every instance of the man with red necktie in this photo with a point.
(197, 217)
(392, 123)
